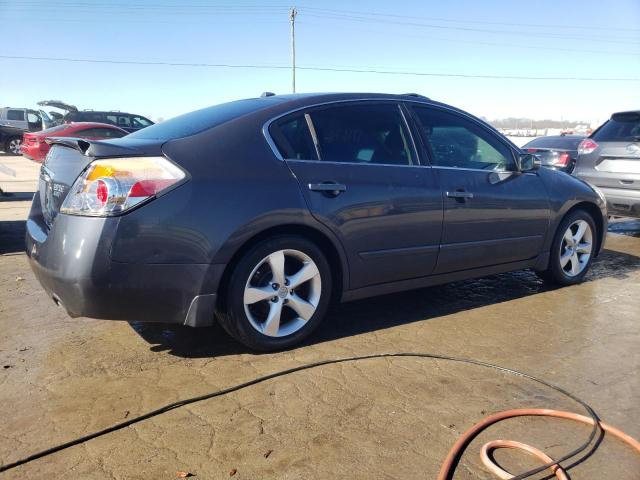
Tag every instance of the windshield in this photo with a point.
(198, 121)
(621, 128)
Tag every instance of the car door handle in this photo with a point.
(460, 194)
(328, 188)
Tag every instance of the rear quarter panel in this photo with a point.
(236, 189)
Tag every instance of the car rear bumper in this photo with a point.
(622, 202)
(32, 152)
(72, 263)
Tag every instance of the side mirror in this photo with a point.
(528, 162)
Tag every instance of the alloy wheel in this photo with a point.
(282, 293)
(575, 248)
(14, 146)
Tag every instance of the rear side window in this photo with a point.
(15, 115)
(623, 127)
(89, 117)
(293, 138)
(458, 142)
(363, 133)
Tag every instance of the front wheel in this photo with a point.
(572, 250)
(277, 294)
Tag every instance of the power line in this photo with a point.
(319, 69)
(465, 29)
(474, 42)
(449, 20)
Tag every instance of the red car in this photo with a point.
(34, 145)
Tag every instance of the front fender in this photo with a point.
(566, 193)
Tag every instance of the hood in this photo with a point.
(58, 104)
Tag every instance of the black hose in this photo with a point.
(235, 388)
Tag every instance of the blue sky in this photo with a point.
(569, 38)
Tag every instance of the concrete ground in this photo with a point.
(62, 377)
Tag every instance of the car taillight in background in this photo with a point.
(587, 146)
(112, 186)
(563, 159)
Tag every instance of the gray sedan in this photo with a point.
(260, 212)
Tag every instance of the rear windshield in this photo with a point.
(621, 128)
(198, 121)
(57, 128)
(566, 143)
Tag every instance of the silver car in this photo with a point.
(610, 160)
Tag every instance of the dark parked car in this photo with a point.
(127, 121)
(556, 151)
(14, 122)
(262, 211)
(610, 159)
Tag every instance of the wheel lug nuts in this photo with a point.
(274, 299)
(274, 286)
(286, 282)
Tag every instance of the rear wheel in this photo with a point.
(12, 145)
(572, 249)
(277, 295)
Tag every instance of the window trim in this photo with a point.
(307, 109)
(421, 152)
(427, 146)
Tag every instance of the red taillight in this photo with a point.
(587, 146)
(146, 188)
(102, 193)
(563, 160)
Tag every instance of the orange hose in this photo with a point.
(447, 467)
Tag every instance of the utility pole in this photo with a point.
(292, 16)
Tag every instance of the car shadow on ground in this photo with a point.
(388, 311)
(12, 236)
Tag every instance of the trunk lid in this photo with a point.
(63, 165)
(58, 104)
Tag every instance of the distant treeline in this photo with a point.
(514, 123)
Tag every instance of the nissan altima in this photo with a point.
(258, 213)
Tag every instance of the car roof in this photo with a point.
(626, 111)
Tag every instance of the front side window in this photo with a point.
(15, 115)
(363, 133)
(33, 118)
(460, 143)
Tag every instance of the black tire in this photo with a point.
(555, 274)
(231, 312)
(9, 145)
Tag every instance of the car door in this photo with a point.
(358, 170)
(493, 214)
